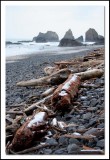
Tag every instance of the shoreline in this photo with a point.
(31, 67)
(59, 51)
(89, 110)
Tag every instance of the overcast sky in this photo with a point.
(25, 22)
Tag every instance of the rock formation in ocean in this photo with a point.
(92, 36)
(9, 42)
(79, 39)
(69, 43)
(49, 36)
(69, 35)
(68, 40)
(100, 40)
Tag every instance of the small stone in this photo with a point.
(92, 122)
(63, 140)
(92, 109)
(81, 128)
(73, 140)
(93, 102)
(60, 151)
(87, 116)
(71, 129)
(83, 98)
(91, 131)
(100, 125)
(101, 143)
(47, 151)
(18, 100)
(51, 141)
(73, 148)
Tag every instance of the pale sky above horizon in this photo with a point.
(25, 22)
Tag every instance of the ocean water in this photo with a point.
(32, 47)
(29, 47)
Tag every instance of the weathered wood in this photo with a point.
(47, 92)
(14, 112)
(63, 95)
(90, 74)
(33, 148)
(35, 105)
(55, 78)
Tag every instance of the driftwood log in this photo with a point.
(24, 136)
(55, 78)
(90, 74)
(62, 97)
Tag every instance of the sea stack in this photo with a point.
(79, 39)
(68, 35)
(49, 36)
(68, 40)
(92, 36)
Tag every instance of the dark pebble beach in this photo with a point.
(90, 118)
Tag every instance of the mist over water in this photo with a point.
(33, 47)
(29, 47)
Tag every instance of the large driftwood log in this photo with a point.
(55, 78)
(33, 126)
(90, 74)
(62, 97)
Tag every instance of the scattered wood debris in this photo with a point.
(28, 123)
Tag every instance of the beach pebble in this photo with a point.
(73, 148)
(100, 125)
(60, 151)
(93, 102)
(63, 140)
(87, 115)
(51, 141)
(83, 98)
(73, 140)
(91, 131)
(101, 143)
(47, 151)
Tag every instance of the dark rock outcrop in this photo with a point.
(91, 35)
(79, 39)
(49, 36)
(69, 35)
(24, 41)
(68, 40)
(9, 42)
(69, 43)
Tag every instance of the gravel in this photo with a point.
(88, 119)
